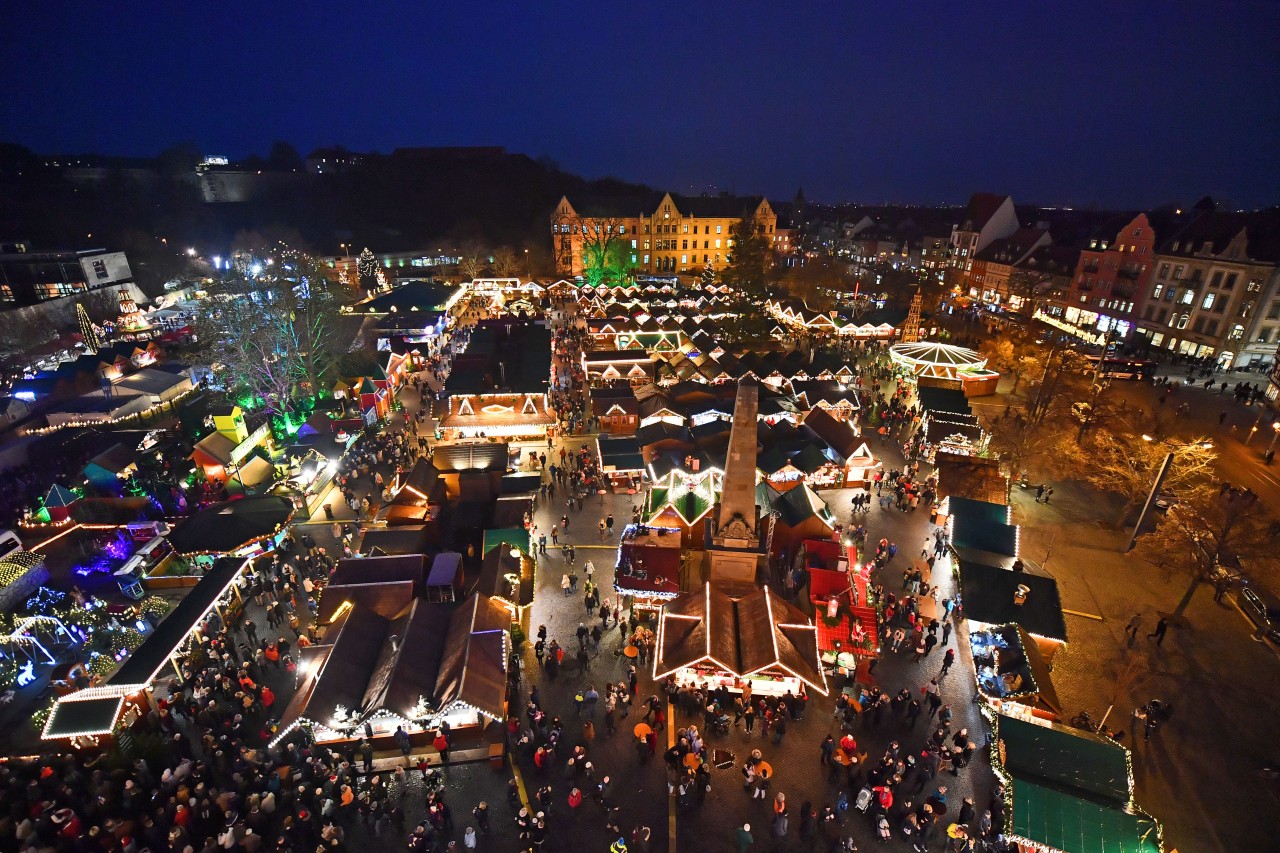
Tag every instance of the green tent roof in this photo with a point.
(1063, 756)
(982, 526)
(516, 536)
(1078, 825)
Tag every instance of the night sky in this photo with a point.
(1119, 103)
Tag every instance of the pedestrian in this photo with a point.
(1048, 493)
(743, 837)
(948, 659)
(1039, 492)
(1161, 627)
(1131, 629)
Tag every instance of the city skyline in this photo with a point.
(1131, 107)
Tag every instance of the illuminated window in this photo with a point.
(717, 243)
(718, 227)
(1155, 294)
(1182, 320)
(1207, 303)
(684, 259)
(1187, 296)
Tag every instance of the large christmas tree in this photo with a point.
(367, 269)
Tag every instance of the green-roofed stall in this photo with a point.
(517, 536)
(1070, 790)
(1069, 823)
(980, 531)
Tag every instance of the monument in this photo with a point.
(734, 551)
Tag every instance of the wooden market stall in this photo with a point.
(730, 634)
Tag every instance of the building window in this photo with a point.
(684, 244)
(1207, 303)
(646, 259)
(1187, 296)
(633, 244)
(1179, 269)
(718, 228)
(684, 229)
(1164, 271)
(1216, 281)
(695, 229)
(717, 243)
(1230, 283)
(1155, 294)
(1237, 332)
(706, 244)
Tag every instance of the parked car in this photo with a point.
(1265, 616)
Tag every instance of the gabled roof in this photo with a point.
(741, 630)
(982, 206)
(473, 668)
(839, 435)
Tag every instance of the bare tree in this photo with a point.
(471, 259)
(505, 264)
(1208, 528)
(1121, 460)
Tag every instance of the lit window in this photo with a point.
(1155, 294)
(1187, 296)
(1207, 303)
(646, 259)
(1182, 320)
(718, 227)
(633, 245)
(684, 259)
(717, 243)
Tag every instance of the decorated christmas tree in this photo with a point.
(88, 331)
(367, 269)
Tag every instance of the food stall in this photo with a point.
(731, 634)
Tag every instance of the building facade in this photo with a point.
(993, 269)
(987, 218)
(29, 277)
(1215, 293)
(666, 234)
(1110, 279)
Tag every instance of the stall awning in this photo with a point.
(148, 659)
(72, 717)
(988, 594)
(1061, 821)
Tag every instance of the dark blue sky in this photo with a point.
(1120, 103)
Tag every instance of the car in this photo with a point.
(1265, 616)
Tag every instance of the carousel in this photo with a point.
(946, 364)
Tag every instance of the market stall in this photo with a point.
(648, 565)
(1010, 668)
(728, 634)
(241, 528)
(1067, 789)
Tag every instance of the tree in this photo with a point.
(505, 263)
(1063, 381)
(1024, 284)
(367, 270)
(606, 252)
(1121, 461)
(749, 259)
(1208, 528)
(283, 157)
(272, 334)
(470, 259)
(1010, 359)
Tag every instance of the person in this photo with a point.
(1161, 628)
(1131, 629)
(441, 743)
(744, 839)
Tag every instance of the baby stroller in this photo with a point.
(864, 800)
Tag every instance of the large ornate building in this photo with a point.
(660, 233)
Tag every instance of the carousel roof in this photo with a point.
(929, 353)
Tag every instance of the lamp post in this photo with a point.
(1275, 427)
(527, 268)
(1155, 488)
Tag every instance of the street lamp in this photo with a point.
(1164, 472)
(527, 273)
(1275, 426)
